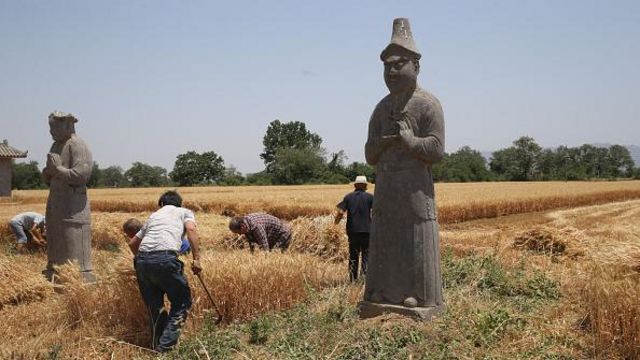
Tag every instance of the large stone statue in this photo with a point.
(406, 136)
(68, 216)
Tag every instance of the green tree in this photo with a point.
(358, 168)
(260, 178)
(96, 175)
(192, 168)
(620, 162)
(26, 176)
(113, 176)
(142, 175)
(464, 165)
(232, 177)
(293, 166)
(292, 135)
(518, 162)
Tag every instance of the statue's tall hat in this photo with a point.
(401, 38)
(59, 115)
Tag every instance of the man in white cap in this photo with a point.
(357, 205)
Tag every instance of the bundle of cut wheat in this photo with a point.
(319, 236)
(20, 282)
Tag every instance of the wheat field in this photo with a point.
(584, 235)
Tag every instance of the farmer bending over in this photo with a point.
(159, 271)
(263, 229)
(28, 227)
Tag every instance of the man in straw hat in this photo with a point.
(357, 205)
(68, 216)
(406, 137)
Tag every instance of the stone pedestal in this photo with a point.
(369, 309)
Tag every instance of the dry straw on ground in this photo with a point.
(319, 236)
(94, 318)
(611, 296)
(21, 283)
(542, 240)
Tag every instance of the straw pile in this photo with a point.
(611, 298)
(320, 237)
(541, 240)
(20, 283)
(95, 318)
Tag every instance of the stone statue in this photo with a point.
(406, 137)
(68, 216)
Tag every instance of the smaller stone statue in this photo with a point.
(68, 215)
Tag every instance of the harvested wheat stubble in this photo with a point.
(20, 283)
(95, 317)
(611, 296)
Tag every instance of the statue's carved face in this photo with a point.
(400, 73)
(60, 129)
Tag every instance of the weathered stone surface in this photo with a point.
(406, 137)
(68, 217)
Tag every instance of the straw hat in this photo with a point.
(361, 179)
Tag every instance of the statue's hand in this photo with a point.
(407, 138)
(53, 160)
(387, 140)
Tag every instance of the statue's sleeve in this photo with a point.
(429, 144)
(79, 171)
(374, 148)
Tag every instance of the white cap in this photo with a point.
(361, 179)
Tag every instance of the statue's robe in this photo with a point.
(404, 254)
(68, 216)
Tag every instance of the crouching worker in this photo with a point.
(160, 272)
(28, 228)
(266, 230)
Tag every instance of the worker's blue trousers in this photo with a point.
(160, 273)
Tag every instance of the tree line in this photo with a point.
(293, 155)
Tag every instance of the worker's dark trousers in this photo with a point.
(160, 273)
(358, 247)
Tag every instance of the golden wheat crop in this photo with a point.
(456, 202)
(95, 317)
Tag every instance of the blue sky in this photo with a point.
(152, 79)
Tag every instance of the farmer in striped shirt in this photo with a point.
(266, 230)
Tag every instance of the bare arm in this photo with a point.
(338, 216)
(134, 244)
(194, 241)
(37, 234)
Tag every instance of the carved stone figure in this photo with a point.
(406, 136)
(68, 216)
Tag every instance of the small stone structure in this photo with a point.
(6, 154)
(68, 217)
(406, 137)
